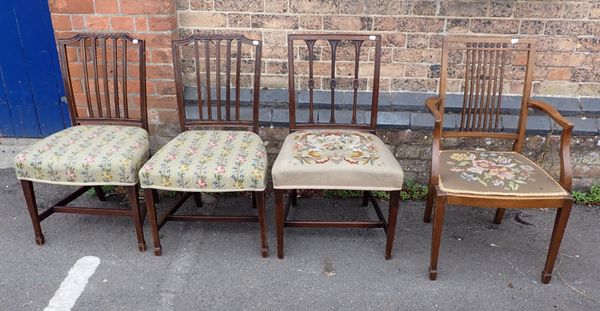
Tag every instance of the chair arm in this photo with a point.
(433, 104)
(551, 112)
(566, 174)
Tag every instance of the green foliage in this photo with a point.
(342, 194)
(380, 195)
(591, 197)
(107, 189)
(170, 194)
(412, 190)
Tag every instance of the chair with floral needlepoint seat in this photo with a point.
(335, 149)
(216, 158)
(108, 141)
(481, 67)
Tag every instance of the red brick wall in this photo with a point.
(152, 20)
(568, 34)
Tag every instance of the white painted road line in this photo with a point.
(73, 285)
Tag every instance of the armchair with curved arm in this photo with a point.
(493, 179)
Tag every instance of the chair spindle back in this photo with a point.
(115, 64)
(483, 70)
(198, 62)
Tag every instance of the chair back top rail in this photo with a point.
(356, 44)
(113, 63)
(483, 66)
(198, 63)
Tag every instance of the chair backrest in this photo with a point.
(483, 69)
(198, 67)
(115, 64)
(342, 68)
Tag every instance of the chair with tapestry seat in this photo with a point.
(219, 149)
(331, 149)
(108, 142)
(483, 69)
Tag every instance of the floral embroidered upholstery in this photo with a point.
(86, 155)
(497, 173)
(336, 159)
(208, 161)
(335, 146)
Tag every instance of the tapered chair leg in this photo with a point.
(198, 199)
(100, 193)
(429, 204)
(155, 195)
(132, 193)
(260, 204)
(150, 206)
(365, 200)
(499, 215)
(279, 221)
(436, 235)
(391, 223)
(33, 212)
(560, 223)
(294, 197)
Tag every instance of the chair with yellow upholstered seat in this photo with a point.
(219, 149)
(108, 141)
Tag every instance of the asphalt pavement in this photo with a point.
(208, 266)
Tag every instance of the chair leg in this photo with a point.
(365, 201)
(260, 203)
(197, 198)
(499, 215)
(438, 221)
(254, 200)
(429, 204)
(33, 212)
(132, 193)
(100, 193)
(155, 195)
(391, 223)
(294, 197)
(151, 208)
(560, 223)
(279, 221)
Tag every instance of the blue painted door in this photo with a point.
(31, 90)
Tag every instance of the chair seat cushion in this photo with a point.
(494, 173)
(208, 161)
(336, 159)
(86, 155)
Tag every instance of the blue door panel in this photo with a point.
(6, 127)
(31, 82)
(41, 63)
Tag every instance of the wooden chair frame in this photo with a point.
(438, 199)
(218, 121)
(281, 209)
(112, 117)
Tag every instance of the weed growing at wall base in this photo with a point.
(591, 197)
(411, 190)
